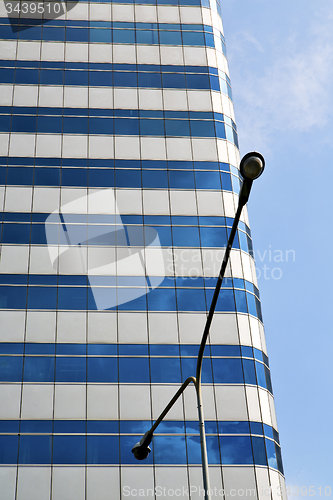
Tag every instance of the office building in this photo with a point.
(119, 180)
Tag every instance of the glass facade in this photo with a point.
(118, 186)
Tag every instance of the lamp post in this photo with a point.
(251, 167)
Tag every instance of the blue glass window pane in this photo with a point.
(177, 128)
(134, 370)
(13, 297)
(26, 76)
(175, 427)
(42, 297)
(241, 304)
(211, 427)
(259, 451)
(225, 302)
(74, 177)
(99, 177)
(51, 124)
(213, 237)
(193, 38)
(227, 370)
(8, 33)
(252, 304)
(38, 369)
(208, 180)
(100, 35)
(7, 75)
(123, 36)
(138, 304)
(226, 181)
(20, 176)
(259, 313)
(181, 179)
(69, 449)
(9, 426)
(103, 426)
(100, 78)
(126, 126)
(70, 369)
(11, 368)
(161, 299)
(74, 298)
(102, 370)
(134, 426)
(189, 369)
(69, 426)
(165, 370)
(154, 179)
(234, 427)
(225, 350)
(75, 125)
(151, 127)
(11, 348)
(75, 349)
(173, 80)
(101, 126)
(128, 178)
(191, 300)
(194, 450)
(213, 450)
(268, 430)
(47, 177)
(170, 37)
(185, 236)
(8, 449)
(16, 233)
(268, 380)
(100, 349)
(164, 350)
(271, 453)
(202, 128)
(53, 34)
(76, 78)
(103, 450)
(35, 450)
(260, 374)
(164, 234)
(195, 81)
(236, 450)
(279, 458)
(53, 77)
(209, 38)
(249, 371)
(276, 436)
(256, 428)
(169, 450)
(149, 37)
(152, 80)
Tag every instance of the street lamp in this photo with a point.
(251, 167)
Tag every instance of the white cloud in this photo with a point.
(285, 85)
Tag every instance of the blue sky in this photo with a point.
(280, 56)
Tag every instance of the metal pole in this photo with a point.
(145, 441)
(203, 444)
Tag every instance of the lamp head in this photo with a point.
(140, 452)
(252, 165)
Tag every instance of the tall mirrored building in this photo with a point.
(119, 180)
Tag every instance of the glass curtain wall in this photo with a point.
(118, 186)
